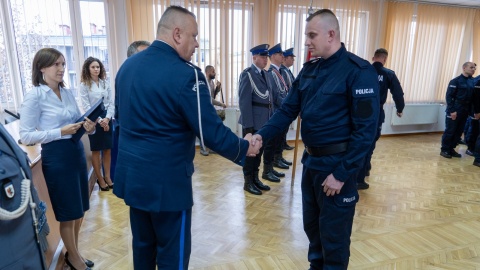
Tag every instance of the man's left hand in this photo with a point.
(332, 186)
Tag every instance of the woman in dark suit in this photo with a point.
(48, 116)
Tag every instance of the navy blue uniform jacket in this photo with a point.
(388, 80)
(158, 111)
(459, 94)
(338, 99)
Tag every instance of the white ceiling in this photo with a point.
(469, 3)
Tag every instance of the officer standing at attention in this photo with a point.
(164, 104)
(288, 60)
(274, 147)
(338, 96)
(476, 115)
(459, 98)
(255, 102)
(387, 80)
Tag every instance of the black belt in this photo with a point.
(327, 150)
(258, 104)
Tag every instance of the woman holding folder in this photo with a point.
(93, 87)
(49, 115)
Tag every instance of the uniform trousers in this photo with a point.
(367, 165)
(114, 151)
(453, 131)
(161, 238)
(327, 220)
(472, 133)
(252, 164)
(271, 149)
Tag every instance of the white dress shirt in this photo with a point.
(43, 114)
(90, 96)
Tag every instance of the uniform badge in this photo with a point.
(9, 189)
(194, 88)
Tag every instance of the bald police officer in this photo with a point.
(255, 101)
(338, 96)
(164, 104)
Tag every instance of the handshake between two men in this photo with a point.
(255, 144)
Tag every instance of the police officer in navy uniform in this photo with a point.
(272, 155)
(476, 117)
(255, 101)
(387, 80)
(459, 99)
(338, 97)
(164, 104)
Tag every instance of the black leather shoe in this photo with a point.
(455, 154)
(87, 261)
(278, 174)
(250, 187)
(445, 154)
(362, 185)
(289, 163)
(476, 163)
(367, 173)
(462, 142)
(259, 184)
(270, 177)
(468, 152)
(106, 188)
(288, 147)
(280, 164)
(71, 265)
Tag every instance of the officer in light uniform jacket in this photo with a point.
(274, 147)
(288, 59)
(255, 102)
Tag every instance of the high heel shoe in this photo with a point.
(87, 261)
(110, 186)
(103, 188)
(72, 267)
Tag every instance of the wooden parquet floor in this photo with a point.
(422, 211)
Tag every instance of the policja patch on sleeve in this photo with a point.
(364, 97)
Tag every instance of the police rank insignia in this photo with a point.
(9, 189)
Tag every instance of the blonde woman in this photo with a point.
(93, 87)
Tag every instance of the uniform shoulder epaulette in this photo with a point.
(247, 69)
(311, 62)
(360, 62)
(192, 65)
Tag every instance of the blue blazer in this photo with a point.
(158, 111)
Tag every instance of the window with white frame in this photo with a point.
(36, 24)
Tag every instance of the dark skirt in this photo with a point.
(65, 169)
(101, 140)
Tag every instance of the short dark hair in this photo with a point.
(168, 16)
(208, 68)
(133, 48)
(86, 77)
(381, 52)
(321, 12)
(44, 58)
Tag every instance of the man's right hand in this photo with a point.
(255, 143)
(453, 115)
